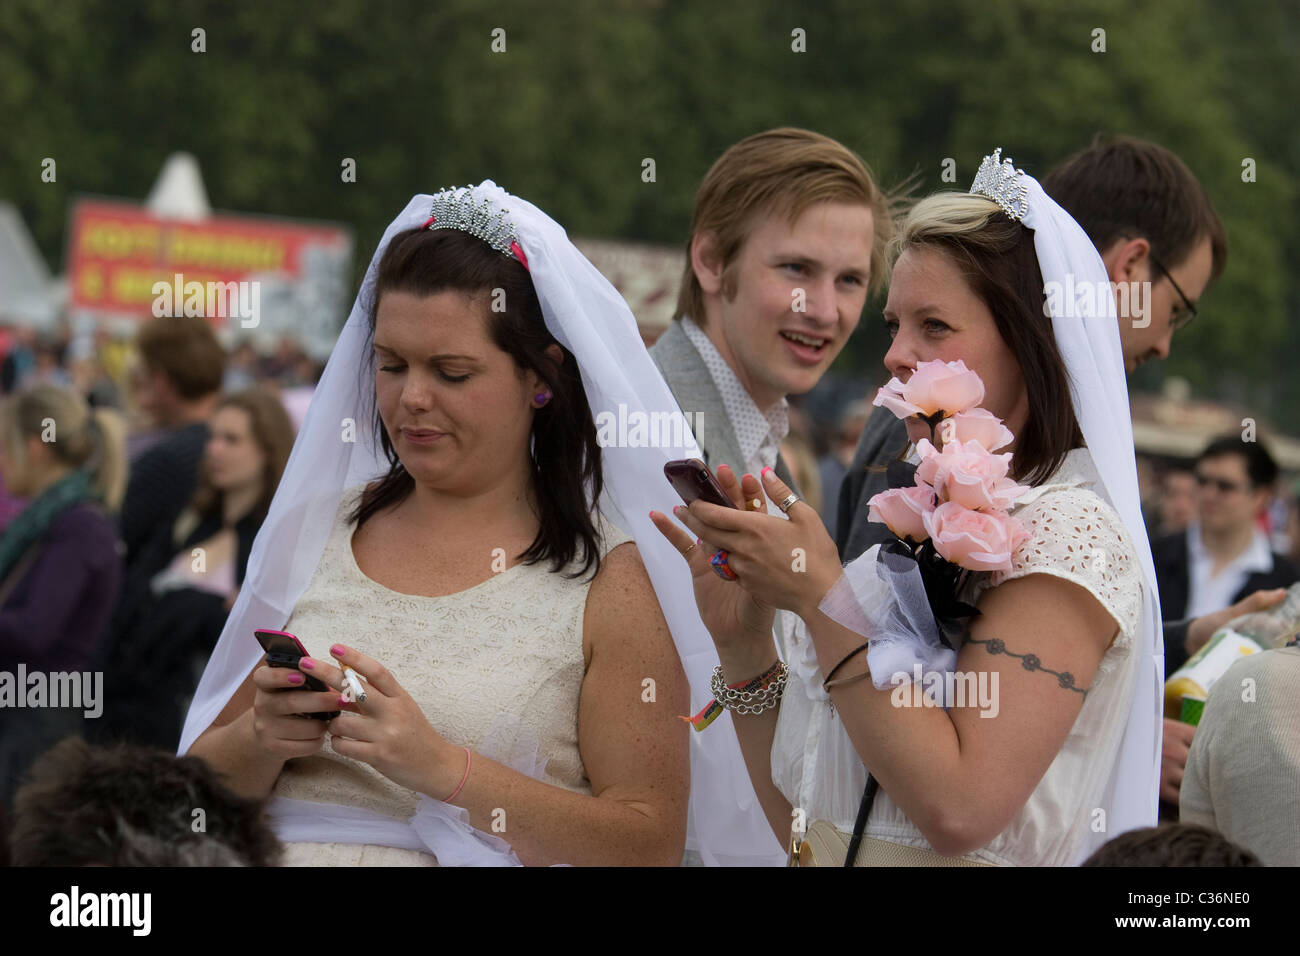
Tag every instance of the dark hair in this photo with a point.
(1260, 465)
(186, 350)
(567, 479)
(272, 430)
(996, 257)
(1172, 844)
(133, 806)
(1121, 187)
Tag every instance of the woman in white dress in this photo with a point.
(1057, 750)
(503, 630)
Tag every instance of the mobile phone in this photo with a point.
(692, 479)
(285, 650)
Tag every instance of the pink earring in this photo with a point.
(541, 398)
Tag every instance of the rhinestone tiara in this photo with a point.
(460, 207)
(999, 180)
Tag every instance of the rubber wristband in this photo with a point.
(851, 654)
(459, 786)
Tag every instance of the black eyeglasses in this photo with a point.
(1226, 487)
(1183, 317)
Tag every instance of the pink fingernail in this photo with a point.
(295, 678)
(338, 650)
(343, 700)
(766, 470)
(306, 663)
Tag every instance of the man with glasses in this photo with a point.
(1224, 555)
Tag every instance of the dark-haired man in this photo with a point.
(178, 383)
(1223, 556)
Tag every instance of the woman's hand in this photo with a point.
(279, 696)
(737, 619)
(388, 730)
(791, 564)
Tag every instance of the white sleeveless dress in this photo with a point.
(497, 668)
(1075, 535)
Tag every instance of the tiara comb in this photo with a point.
(999, 180)
(460, 207)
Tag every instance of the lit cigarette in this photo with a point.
(355, 692)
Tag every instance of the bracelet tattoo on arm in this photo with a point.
(1030, 662)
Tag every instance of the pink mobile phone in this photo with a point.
(285, 650)
(692, 479)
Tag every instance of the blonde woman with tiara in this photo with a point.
(60, 563)
(1064, 752)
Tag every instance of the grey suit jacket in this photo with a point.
(883, 439)
(693, 388)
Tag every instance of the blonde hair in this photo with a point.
(28, 414)
(954, 216)
(781, 171)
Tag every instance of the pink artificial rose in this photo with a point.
(978, 425)
(891, 396)
(902, 510)
(980, 541)
(967, 473)
(935, 386)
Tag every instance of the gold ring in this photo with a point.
(690, 549)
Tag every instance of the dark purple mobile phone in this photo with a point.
(692, 479)
(285, 650)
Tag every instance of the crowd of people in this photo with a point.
(496, 608)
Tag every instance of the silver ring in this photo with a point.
(788, 501)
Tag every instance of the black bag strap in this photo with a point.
(860, 824)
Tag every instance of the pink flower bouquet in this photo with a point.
(962, 494)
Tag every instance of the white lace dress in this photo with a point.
(1074, 534)
(497, 668)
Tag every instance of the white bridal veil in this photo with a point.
(590, 319)
(1094, 359)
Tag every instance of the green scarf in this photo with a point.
(33, 521)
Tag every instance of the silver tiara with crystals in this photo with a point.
(999, 180)
(460, 207)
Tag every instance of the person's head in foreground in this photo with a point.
(1172, 844)
(133, 806)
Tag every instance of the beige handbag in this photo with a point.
(824, 845)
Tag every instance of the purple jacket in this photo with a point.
(57, 616)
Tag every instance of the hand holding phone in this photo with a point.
(693, 481)
(285, 650)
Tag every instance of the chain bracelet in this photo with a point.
(747, 702)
